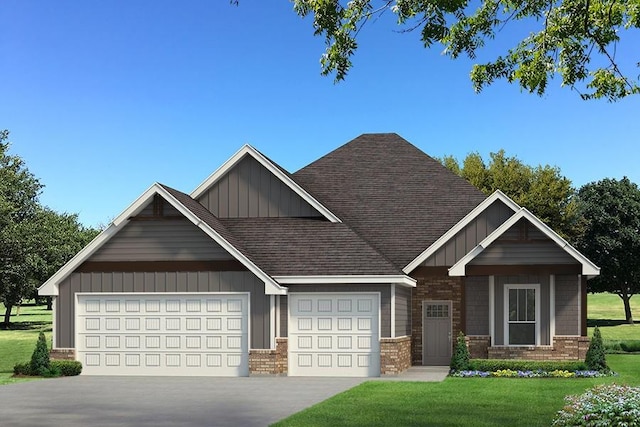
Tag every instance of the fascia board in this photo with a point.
(347, 279)
(249, 150)
(482, 206)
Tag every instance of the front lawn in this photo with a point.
(17, 344)
(457, 401)
(607, 312)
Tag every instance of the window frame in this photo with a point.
(507, 322)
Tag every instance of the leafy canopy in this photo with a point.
(575, 39)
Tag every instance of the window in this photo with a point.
(521, 314)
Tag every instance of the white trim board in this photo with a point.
(588, 268)
(346, 280)
(248, 150)
(50, 287)
(497, 195)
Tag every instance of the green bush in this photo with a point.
(493, 365)
(630, 346)
(603, 405)
(596, 359)
(460, 358)
(22, 369)
(40, 357)
(67, 368)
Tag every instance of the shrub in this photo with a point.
(40, 357)
(493, 365)
(596, 359)
(630, 346)
(460, 358)
(22, 369)
(67, 368)
(603, 405)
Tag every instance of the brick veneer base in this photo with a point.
(395, 355)
(478, 346)
(62, 354)
(564, 348)
(269, 362)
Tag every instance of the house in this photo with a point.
(366, 261)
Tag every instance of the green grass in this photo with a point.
(17, 344)
(457, 401)
(607, 312)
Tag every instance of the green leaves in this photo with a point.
(565, 38)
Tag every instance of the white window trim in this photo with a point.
(505, 297)
(393, 310)
(492, 309)
(552, 307)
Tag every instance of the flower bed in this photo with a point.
(509, 373)
(603, 405)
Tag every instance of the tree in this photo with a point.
(575, 39)
(541, 189)
(610, 212)
(595, 358)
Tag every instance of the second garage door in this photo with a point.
(163, 334)
(335, 334)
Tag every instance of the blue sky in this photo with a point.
(104, 98)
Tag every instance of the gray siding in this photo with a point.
(469, 237)
(180, 282)
(477, 305)
(567, 303)
(284, 315)
(249, 190)
(544, 320)
(403, 311)
(515, 253)
(385, 301)
(161, 240)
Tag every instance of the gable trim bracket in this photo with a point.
(248, 150)
(482, 206)
(50, 287)
(589, 269)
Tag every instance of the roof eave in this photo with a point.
(399, 279)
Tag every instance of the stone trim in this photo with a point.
(395, 355)
(62, 354)
(269, 362)
(563, 348)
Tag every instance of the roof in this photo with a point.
(390, 193)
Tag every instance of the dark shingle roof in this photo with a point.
(302, 246)
(392, 194)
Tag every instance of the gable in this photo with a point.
(479, 227)
(249, 190)
(160, 233)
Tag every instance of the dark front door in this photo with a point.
(436, 323)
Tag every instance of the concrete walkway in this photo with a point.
(419, 373)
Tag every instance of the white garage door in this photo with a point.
(334, 335)
(163, 334)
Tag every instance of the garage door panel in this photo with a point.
(163, 334)
(334, 335)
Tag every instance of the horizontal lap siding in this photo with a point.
(161, 240)
(477, 305)
(385, 301)
(178, 282)
(249, 190)
(403, 311)
(567, 305)
(516, 253)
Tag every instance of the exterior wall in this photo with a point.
(500, 282)
(161, 240)
(62, 354)
(469, 237)
(503, 252)
(477, 305)
(179, 282)
(385, 301)
(403, 311)
(395, 355)
(567, 305)
(442, 288)
(563, 348)
(249, 190)
(269, 362)
(478, 346)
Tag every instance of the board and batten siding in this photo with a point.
(385, 302)
(403, 311)
(249, 190)
(543, 281)
(469, 237)
(161, 240)
(477, 305)
(567, 304)
(178, 282)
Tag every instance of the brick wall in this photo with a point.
(564, 348)
(478, 346)
(395, 355)
(62, 354)
(436, 289)
(269, 362)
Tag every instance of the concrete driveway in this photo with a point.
(162, 401)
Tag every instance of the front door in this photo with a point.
(436, 322)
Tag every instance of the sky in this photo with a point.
(103, 99)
